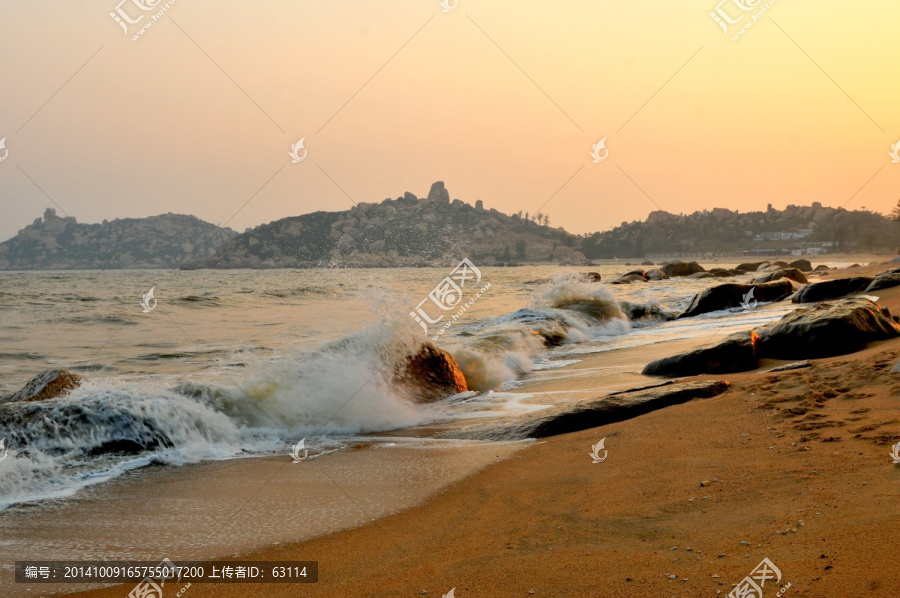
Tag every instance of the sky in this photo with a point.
(501, 100)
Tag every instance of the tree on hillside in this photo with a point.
(895, 214)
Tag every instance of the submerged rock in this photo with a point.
(731, 295)
(431, 374)
(639, 312)
(656, 274)
(832, 289)
(49, 384)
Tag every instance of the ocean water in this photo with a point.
(236, 364)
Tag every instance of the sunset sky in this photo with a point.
(501, 100)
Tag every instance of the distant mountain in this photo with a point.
(165, 241)
(407, 231)
(724, 231)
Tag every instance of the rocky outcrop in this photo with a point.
(165, 241)
(822, 330)
(736, 353)
(431, 374)
(827, 329)
(727, 231)
(831, 289)
(582, 415)
(789, 273)
(731, 295)
(401, 232)
(681, 269)
(49, 384)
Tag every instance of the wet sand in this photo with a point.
(792, 466)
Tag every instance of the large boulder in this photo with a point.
(736, 353)
(49, 384)
(431, 374)
(827, 329)
(682, 269)
(438, 193)
(751, 266)
(731, 295)
(656, 274)
(590, 413)
(789, 273)
(802, 265)
(722, 272)
(831, 289)
(885, 280)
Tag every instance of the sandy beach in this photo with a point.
(790, 466)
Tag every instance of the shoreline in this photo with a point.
(619, 520)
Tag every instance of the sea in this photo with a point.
(219, 365)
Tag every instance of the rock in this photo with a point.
(832, 289)
(656, 274)
(640, 273)
(701, 275)
(797, 365)
(590, 276)
(885, 280)
(736, 353)
(721, 272)
(630, 278)
(641, 312)
(802, 265)
(821, 267)
(647, 263)
(827, 329)
(853, 266)
(751, 267)
(49, 384)
(681, 269)
(591, 413)
(438, 193)
(789, 273)
(731, 295)
(431, 374)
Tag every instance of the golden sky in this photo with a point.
(502, 100)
